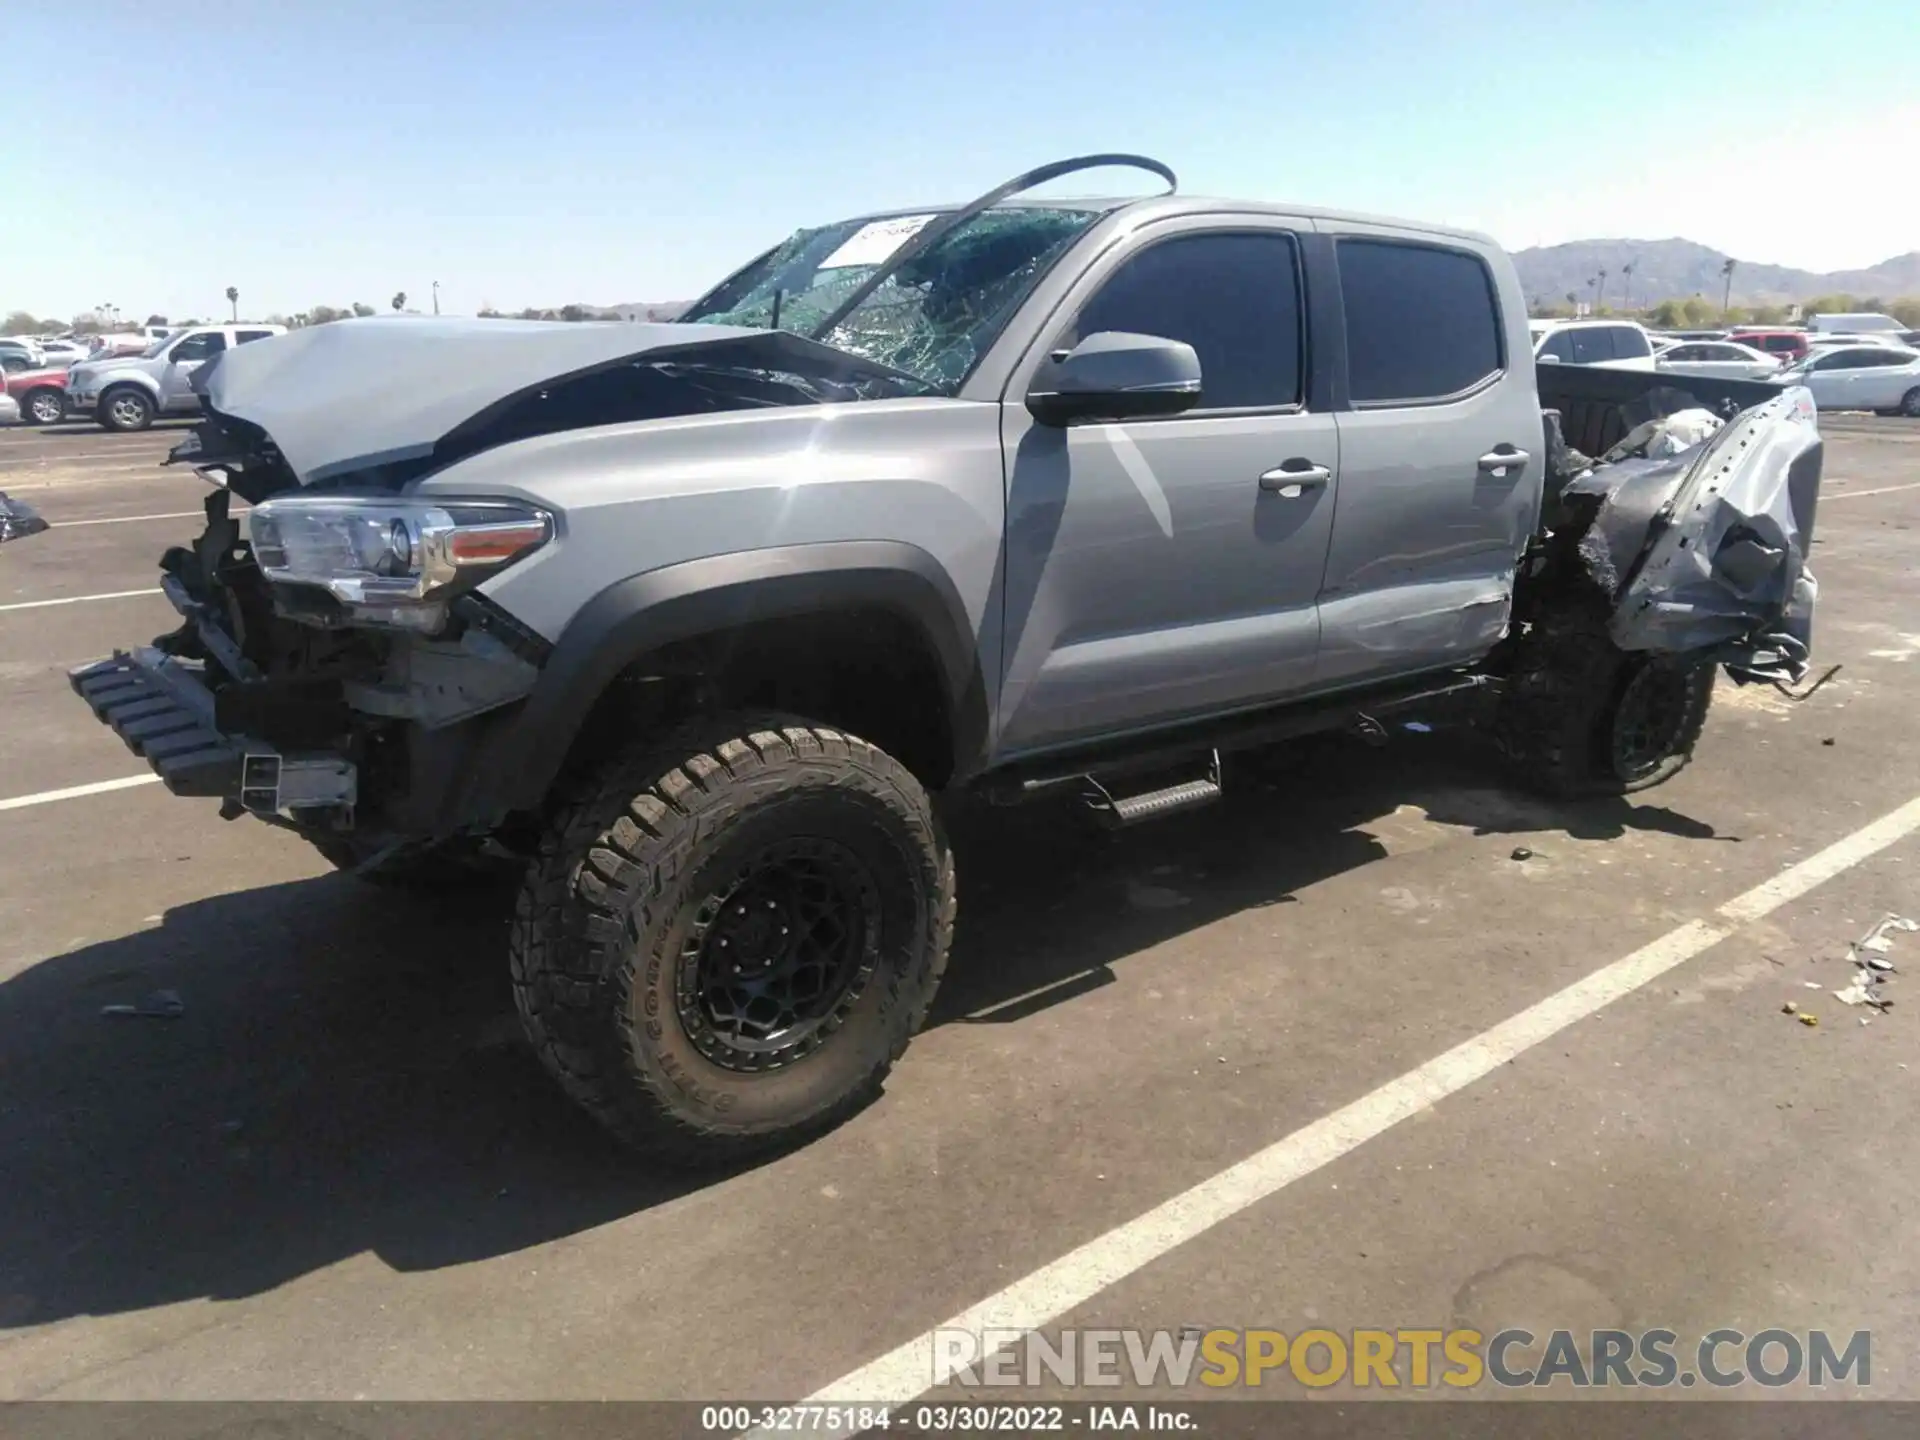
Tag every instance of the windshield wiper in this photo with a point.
(930, 234)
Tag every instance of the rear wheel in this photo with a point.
(125, 409)
(729, 936)
(45, 406)
(1580, 716)
(1910, 403)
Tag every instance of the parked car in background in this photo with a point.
(40, 394)
(1856, 322)
(63, 352)
(1882, 378)
(19, 353)
(1722, 358)
(1619, 344)
(1697, 334)
(1791, 345)
(127, 393)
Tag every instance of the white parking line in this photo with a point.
(1862, 494)
(74, 792)
(1056, 1288)
(76, 599)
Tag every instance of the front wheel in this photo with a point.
(125, 409)
(1910, 403)
(44, 407)
(729, 936)
(1580, 716)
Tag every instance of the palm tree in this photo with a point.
(400, 301)
(233, 299)
(1626, 275)
(1726, 298)
(1600, 291)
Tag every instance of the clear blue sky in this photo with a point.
(326, 151)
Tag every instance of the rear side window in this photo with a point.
(241, 337)
(1422, 322)
(1592, 345)
(1629, 343)
(1234, 297)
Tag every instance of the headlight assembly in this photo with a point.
(392, 562)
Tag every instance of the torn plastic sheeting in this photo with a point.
(18, 519)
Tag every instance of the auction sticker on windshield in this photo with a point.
(872, 243)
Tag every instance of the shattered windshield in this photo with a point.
(934, 318)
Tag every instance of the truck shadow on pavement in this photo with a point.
(347, 1074)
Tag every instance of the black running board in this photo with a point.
(1437, 696)
(1152, 804)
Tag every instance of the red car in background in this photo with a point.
(42, 394)
(1789, 345)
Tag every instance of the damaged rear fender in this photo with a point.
(1705, 554)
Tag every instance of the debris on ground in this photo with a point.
(1809, 1019)
(1871, 967)
(1521, 852)
(18, 519)
(160, 1005)
(1789, 1008)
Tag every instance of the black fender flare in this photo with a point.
(637, 615)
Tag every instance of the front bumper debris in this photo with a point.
(161, 708)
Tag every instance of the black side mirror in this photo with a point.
(1116, 376)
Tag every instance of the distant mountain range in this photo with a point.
(1676, 269)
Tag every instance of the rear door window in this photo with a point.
(1592, 345)
(241, 337)
(1423, 322)
(1233, 296)
(1629, 343)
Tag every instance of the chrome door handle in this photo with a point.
(1292, 484)
(1495, 461)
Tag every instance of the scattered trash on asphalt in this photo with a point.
(1860, 992)
(1871, 967)
(1521, 852)
(1809, 1019)
(1789, 1008)
(160, 1005)
(1827, 741)
(1418, 727)
(1813, 985)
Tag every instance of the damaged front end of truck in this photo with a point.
(337, 668)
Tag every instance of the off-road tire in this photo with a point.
(1556, 720)
(45, 406)
(138, 409)
(442, 866)
(608, 923)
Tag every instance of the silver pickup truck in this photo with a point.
(687, 623)
(126, 392)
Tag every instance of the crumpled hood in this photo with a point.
(358, 393)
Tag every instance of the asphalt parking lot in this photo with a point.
(339, 1174)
